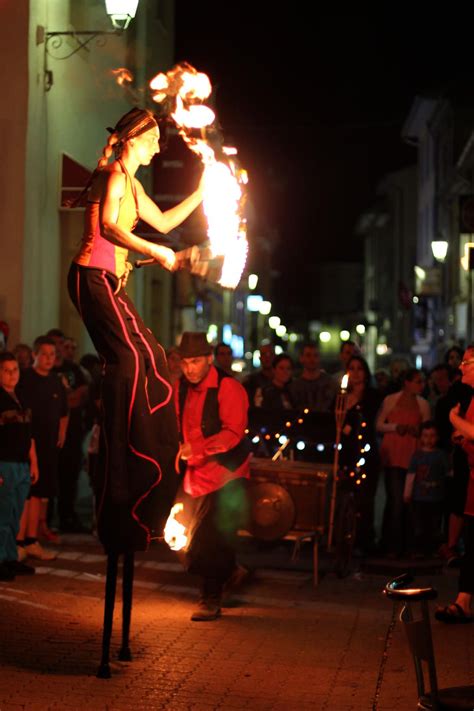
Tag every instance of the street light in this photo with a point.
(121, 12)
(439, 247)
(274, 321)
(265, 307)
(360, 328)
(253, 281)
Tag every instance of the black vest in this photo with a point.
(211, 424)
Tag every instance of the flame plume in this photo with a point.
(224, 180)
(175, 532)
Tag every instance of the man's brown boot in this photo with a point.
(208, 609)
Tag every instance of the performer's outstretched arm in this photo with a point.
(166, 221)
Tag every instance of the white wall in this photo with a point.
(69, 118)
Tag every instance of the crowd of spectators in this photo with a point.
(397, 428)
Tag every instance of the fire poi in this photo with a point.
(184, 88)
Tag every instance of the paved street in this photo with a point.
(280, 645)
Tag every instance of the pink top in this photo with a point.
(98, 252)
(397, 450)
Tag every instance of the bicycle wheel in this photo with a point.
(344, 533)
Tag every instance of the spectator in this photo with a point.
(277, 396)
(397, 367)
(18, 466)
(174, 364)
(346, 351)
(23, 355)
(453, 357)
(45, 394)
(314, 389)
(358, 433)
(71, 455)
(424, 490)
(69, 349)
(439, 381)
(261, 379)
(399, 421)
(460, 610)
(382, 381)
(223, 358)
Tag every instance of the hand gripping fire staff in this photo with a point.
(196, 260)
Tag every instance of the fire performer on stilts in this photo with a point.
(212, 412)
(135, 480)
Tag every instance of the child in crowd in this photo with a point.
(44, 393)
(18, 466)
(424, 489)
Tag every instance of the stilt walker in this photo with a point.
(136, 482)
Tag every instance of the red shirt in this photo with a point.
(203, 473)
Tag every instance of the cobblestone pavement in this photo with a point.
(281, 644)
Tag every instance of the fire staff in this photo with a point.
(212, 412)
(135, 481)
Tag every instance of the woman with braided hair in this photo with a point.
(135, 475)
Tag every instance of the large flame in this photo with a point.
(175, 532)
(224, 181)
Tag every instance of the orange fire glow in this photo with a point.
(122, 76)
(224, 181)
(175, 532)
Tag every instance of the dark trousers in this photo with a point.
(365, 535)
(394, 514)
(427, 526)
(212, 522)
(135, 479)
(70, 462)
(466, 573)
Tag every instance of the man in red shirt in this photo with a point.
(212, 415)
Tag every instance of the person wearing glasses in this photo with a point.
(459, 612)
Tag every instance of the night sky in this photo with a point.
(315, 107)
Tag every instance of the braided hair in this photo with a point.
(133, 123)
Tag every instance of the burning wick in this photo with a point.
(175, 532)
(344, 382)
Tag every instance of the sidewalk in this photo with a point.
(284, 645)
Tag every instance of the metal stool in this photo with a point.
(418, 631)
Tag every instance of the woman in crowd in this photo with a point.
(359, 445)
(277, 396)
(139, 440)
(399, 421)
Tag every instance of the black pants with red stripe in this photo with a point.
(135, 479)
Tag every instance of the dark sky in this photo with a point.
(315, 106)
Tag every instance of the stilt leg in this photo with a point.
(110, 584)
(128, 568)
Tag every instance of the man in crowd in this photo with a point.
(71, 455)
(346, 351)
(223, 358)
(212, 414)
(314, 389)
(256, 383)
